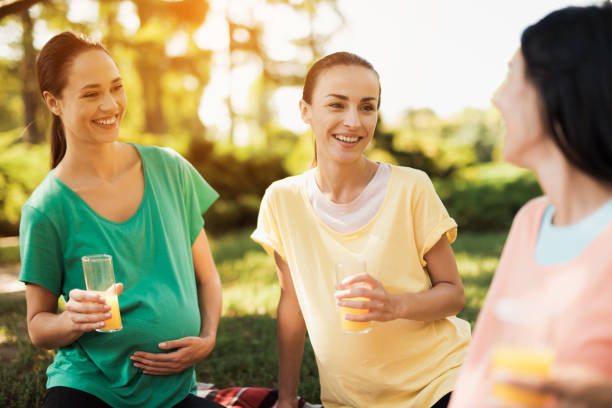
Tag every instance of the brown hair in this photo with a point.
(52, 68)
(331, 60)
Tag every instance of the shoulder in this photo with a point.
(411, 181)
(288, 186)
(165, 163)
(409, 175)
(526, 222)
(157, 154)
(532, 210)
(409, 172)
(47, 196)
(45, 208)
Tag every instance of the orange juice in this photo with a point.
(349, 326)
(521, 362)
(114, 323)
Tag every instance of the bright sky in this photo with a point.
(441, 54)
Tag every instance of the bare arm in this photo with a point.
(445, 298)
(84, 312)
(291, 335)
(209, 286)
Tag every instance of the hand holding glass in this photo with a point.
(100, 279)
(341, 272)
(518, 354)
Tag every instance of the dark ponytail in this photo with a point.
(52, 68)
(58, 141)
(331, 60)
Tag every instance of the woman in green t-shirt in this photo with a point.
(142, 205)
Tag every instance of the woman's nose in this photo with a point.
(351, 118)
(108, 102)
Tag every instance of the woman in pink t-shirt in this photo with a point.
(557, 108)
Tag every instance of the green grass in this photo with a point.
(22, 365)
(245, 353)
(9, 255)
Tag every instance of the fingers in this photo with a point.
(160, 364)
(119, 288)
(87, 327)
(178, 343)
(360, 278)
(359, 291)
(152, 362)
(87, 308)
(371, 304)
(84, 296)
(154, 371)
(155, 357)
(81, 318)
(153, 368)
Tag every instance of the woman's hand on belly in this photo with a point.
(188, 351)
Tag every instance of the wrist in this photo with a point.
(287, 399)
(208, 335)
(70, 326)
(400, 305)
(287, 395)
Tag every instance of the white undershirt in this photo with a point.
(349, 217)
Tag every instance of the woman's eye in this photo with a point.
(90, 95)
(367, 107)
(335, 105)
(118, 87)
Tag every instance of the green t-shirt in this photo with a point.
(152, 258)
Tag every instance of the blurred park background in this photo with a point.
(219, 81)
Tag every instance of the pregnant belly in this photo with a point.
(141, 334)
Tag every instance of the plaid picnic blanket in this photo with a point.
(245, 397)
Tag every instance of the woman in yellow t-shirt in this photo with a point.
(347, 207)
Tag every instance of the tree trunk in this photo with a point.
(29, 90)
(150, 73)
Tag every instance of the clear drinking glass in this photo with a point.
(342, 271)
(522, 350)
(100, 279)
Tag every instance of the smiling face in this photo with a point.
(520, 106)
(343, 112)
(93, 102)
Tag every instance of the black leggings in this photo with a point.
(65, 397)
(443, 402)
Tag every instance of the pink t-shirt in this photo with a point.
(569, 306)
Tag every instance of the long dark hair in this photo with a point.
(331, 60)
(568, 56)
(52, 68)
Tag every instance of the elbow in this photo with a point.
(459, 303)
(289, 308)
(37, 338)
(38, 341)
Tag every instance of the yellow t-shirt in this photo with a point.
(402, 363)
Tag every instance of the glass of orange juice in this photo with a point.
(341, 272)
(100, 279)
(522, 351)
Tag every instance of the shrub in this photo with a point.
(241, 182)
(489, 204)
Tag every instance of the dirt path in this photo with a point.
(9, 281)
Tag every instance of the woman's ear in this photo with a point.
(305, 111)
(52, 103)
